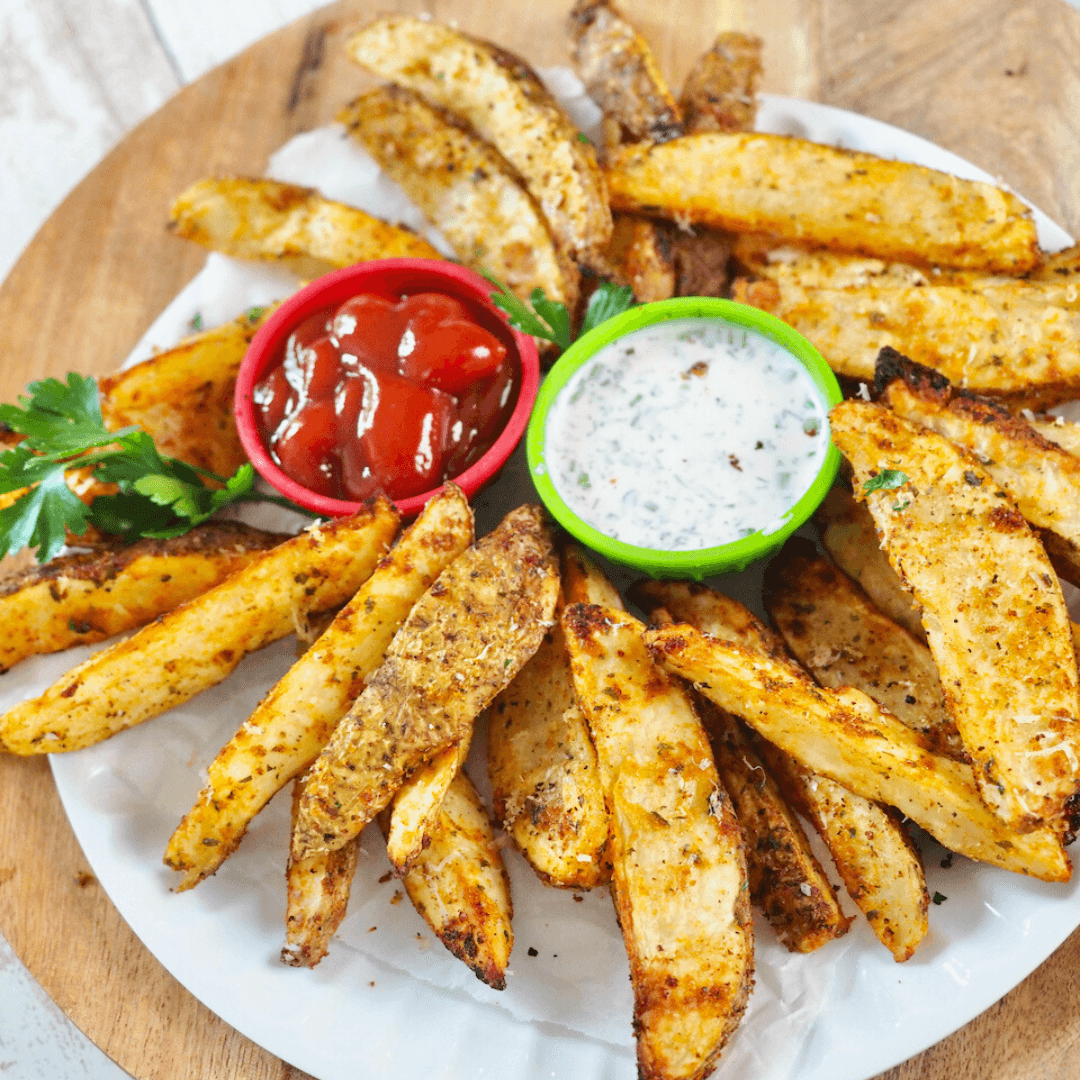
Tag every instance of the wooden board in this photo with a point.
(993, 80)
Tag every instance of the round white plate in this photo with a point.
(389, 1001)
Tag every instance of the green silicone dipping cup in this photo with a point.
(702, 562)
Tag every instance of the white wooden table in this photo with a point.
(75, 76)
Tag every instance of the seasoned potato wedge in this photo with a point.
(719, 93)
(459, 885)
(850, 537)
(640, 256)
(992, 607)
(1041, 478)
(318, 895)
(183, 398)
(583, 582)
(269, 220)
(801, 191)
(200, 643)
(846, 736)
(679, 867)
(838, 635)
(463, 641)
(621, 75)
(1059, 430)
(466, 189)
(80, 599)
(1008, 343)
(295, 720)
(505, 103)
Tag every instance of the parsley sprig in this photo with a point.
(157, 496)
(548, 319)
(886, 480)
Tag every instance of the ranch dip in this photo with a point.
(686, 434)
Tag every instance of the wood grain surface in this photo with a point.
(997, 81)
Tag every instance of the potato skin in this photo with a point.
(719, 92)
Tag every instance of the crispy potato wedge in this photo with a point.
(80, 599)
(505, 103)
(719, 94)
(870, 848)
(992, 606)
(842, 199)
(989, 340)
(846, 736)
(466, 189)
(837, 634)
(415, 808)
(459, 885)
(276, 222)
(889, 885)
(850, 537)
(621, 75)
(583, 582)
(318, 896)
(1061, 266)
(1040, 477)
(463, 641)
(199, 644)
(183, 398)
(1059, 430)
(295, 720)
(679, 867)
(640, 256)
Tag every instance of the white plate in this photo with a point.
(389, 1002)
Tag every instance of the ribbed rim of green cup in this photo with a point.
(701, 562)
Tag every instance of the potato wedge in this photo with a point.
(846, 736)
(459, 885)
(199, 644)
(837, 634)
(640, 256)
(719, 94)
(679, 867)
(990, 340)
(295, 720)
(505, 103)
(1040, 477)
(80, 599)
(850, 537)
(183, 397)
(583, 582)
(276, 222)
(463, 641)
(992, 607)
(317, 897)
(873, 855)
(466, 189)
(842, 199)
(1064, 433)
(621, 75)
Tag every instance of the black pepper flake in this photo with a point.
(910, 699)
(973, 479)
(532, 951)
(946, 863)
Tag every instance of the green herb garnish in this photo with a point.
(938, 898)
(549, 319)
(254, 314)
(157, 497)
(885, 480)
(196, 321)
(582, 137)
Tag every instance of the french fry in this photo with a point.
(850, 537)
(276, 222)
(1040, 477)
(463, 641)
(466, 189)
(621, 75)
(317, 897)
(1012, 343)
(719, 94)
(802, 191)
(679, 867)
(876, 861)
(837, 634)
(458, 884)
(295, 720)
(183, 398)
(845, 735)
(200, 643)
(992, 606)
(80, 599)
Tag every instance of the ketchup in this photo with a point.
(377, 396)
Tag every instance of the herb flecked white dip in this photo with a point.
(687, 434)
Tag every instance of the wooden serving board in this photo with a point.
(994, 80)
